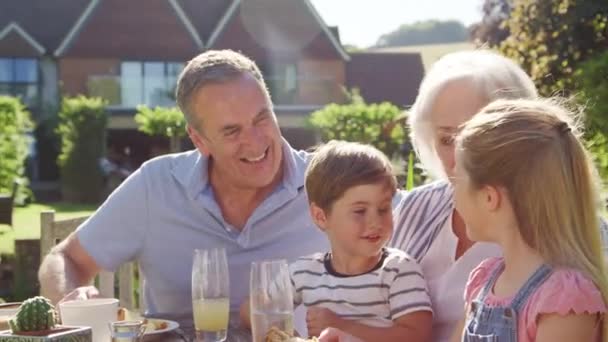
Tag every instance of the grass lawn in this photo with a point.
(26, 222)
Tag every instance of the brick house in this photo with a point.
(131, 52)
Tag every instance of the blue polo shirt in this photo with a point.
(166, 209)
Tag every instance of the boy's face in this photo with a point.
(360, 222)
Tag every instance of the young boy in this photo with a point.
(360, 287)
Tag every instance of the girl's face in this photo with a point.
(484, 208)
(454, 105)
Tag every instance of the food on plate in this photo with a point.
(277, 335)
(151, 324)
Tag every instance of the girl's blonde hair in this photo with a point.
(532, 149)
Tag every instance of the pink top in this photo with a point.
(566, 290)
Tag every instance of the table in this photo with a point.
(185, 332)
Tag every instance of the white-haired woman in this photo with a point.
(426, 223)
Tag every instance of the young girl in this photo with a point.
(523, 180)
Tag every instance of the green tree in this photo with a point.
(82, 127)
(425, 32)
(560, 44)
(15, 123)
(592, 78)
(491, 30)
(167, 122)
(550, 39)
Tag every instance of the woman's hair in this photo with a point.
(492, 76)
(531, 148)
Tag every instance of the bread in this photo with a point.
(277, 335)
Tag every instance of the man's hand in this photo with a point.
(318, 319)
(81, 293)
(66, 268)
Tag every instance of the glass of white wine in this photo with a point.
(271, 298)
(210, 294)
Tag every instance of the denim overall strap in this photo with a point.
(481, 296)
(533, 283)
(488, 323)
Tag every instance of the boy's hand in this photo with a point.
(318, 319)
(337, 335)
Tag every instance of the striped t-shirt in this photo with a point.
(393, 288)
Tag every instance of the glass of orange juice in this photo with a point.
(210, 294)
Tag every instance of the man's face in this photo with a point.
(237, 128)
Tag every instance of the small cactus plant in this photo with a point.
(35, 314)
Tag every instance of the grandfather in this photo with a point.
(242, 188)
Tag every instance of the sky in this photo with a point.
(362, 22)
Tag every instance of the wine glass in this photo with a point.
(210, 294)
(271, 298)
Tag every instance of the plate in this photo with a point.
(171, 325)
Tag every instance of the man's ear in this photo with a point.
(198, 140)
(318, 216)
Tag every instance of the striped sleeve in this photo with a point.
(408, 292)
(419, 215)
(295, 289)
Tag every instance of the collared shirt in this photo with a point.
(167, 208)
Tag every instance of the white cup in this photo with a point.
(7, 311)
(96, 313)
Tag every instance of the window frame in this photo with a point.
(142, 74)
(13, 84)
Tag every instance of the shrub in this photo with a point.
(162, 121)
(362, 122)
(82, 127)
(15, 124)
(376, 124)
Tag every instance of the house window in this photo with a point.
(19, 77)
(149, 83)
(282, 81)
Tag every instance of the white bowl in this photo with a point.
(9, 309)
